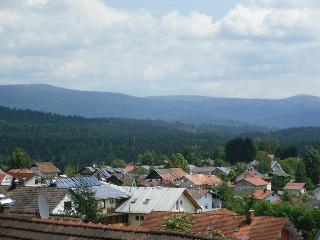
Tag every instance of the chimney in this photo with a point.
(264, 190)
(250, 216)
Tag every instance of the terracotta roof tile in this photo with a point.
(171, 174)
(229, 223)
(262, 194)
(23, 175)
(201, 179)
(47, 167)
(256, 181)
(19, 170)
(129, 168)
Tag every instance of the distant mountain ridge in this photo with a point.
(296, 111)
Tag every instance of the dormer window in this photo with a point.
(134, 200)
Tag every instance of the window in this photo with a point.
(134, 200)
(67, 205)
(180, 202)
(177, 205)
(206, 206)
(137, 218)
(141, 218)
(111, 200)
(146, 201)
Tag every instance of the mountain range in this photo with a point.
(296, 111)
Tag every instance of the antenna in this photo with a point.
(43, 207)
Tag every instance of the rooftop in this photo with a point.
(200, 179)
(256, 181)
(294, 185)
(26, 198)
(148, 199)
(46, 167)
(262, 194)
(24, 227)
(170, 174)
(229, 223)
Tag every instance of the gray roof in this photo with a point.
(148, 199)
(75, 182)
(26, 198)
(109, 191)
(277, 169)
(226, 170)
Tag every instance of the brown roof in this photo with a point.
(47, 167)
(197, 193)
(22, 175)
(171, 174)
(262, 194)
(201, 179)
(294, 185)
(129, 168)
(26, 227)
(26, 198)
(229, 223)
(256, 181)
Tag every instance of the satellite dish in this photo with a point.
(43, 207)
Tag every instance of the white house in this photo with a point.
(206, 199)
(5, 179)
(25, 177)
(145, 200)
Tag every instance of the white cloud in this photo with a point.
(261, 48)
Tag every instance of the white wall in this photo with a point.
(273, 198)
(184, 205)
(317, 193)
(59, 209)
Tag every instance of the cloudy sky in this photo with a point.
(229, 48)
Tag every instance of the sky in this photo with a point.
(229, 48)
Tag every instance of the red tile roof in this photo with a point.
(294, 185)
(47, 167)
(23, 175)
(256, 181)
(229, 223)
(200, 179)
(19, 170)
(262, 194)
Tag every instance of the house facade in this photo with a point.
(199, 181)
(5, 179)
(206, 199)
(250, 185)
(267, 195)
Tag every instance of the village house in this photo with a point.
(122, 180)
(26, 199)
(45, 170)
(232, 225)
(166, 176)
(144, 200)
(199, 181)
(24, 177)
(267, 195)
(295, 188)
(109, 197)
(250, 185)
(5, 179)
(206, 199)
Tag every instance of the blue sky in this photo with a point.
(225, 48)
(215, 8)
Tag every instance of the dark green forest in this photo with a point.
(80, 141)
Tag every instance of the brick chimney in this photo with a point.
(250, 216)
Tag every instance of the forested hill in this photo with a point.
(81, 141)
(295, 111)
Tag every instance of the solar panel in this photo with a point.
(75, 182)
